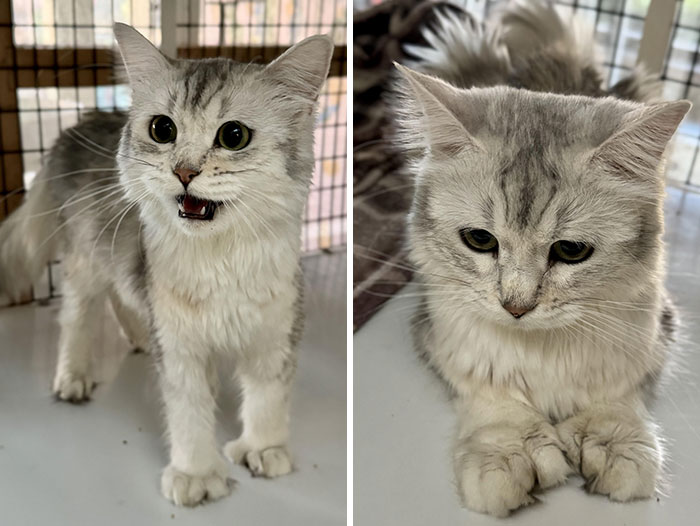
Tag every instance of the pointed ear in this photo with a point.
(141, 58)
(637, 147)
(303, 68)
(439, 105)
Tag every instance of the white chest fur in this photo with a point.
(557, 371)
(218, 293)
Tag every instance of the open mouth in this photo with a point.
(191, 207)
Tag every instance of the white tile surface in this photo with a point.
(100, 463)
(403, 423)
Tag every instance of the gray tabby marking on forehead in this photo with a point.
(204, 76)
(522, 180)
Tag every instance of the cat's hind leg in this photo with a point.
(80, 315)
(134, 324)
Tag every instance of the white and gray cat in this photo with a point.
(187, 214)
(536, 231)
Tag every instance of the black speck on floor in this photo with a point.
(124, 442)
(172, 515)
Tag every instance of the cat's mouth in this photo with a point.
(191, 207)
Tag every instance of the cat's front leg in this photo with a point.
(505, 450)
(616, 449)
(265, 376)
(197, 472)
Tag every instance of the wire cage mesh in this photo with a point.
(57, 62)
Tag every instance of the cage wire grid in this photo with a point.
(56, 63)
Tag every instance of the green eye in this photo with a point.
(233, 136)
(163, 129)
(570, 251)
(479, 240)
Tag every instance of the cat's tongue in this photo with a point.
(192, 207)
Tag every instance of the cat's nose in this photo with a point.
(185, 174)
(517, 310)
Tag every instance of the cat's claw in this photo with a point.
(270, 462)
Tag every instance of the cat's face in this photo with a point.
(213, 144)
(543, 209)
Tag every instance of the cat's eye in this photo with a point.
(233, 136)
(570, 251)
(163, 129)
(479, 240)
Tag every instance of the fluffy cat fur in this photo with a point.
(187, 290)
(511, 131)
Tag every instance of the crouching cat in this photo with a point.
(186, 213)
(536, 231)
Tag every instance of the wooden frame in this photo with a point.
(11, 171)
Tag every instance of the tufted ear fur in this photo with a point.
(438, 110)
(142, 59)
(303, 68)
(637, 147)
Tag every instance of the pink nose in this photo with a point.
(185, 175)
(517, 312)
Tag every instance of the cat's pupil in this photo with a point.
(232, 134)
(572, 248)
(481, 236)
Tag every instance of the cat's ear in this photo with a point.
(303, 68)
(142, 59)
(635, 149)
(437, 104)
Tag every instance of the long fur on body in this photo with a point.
(512, 132)
(106, 201)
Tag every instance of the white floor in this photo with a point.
(100, 463)
(403, 422)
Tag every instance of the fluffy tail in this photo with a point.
(27, 241)
(534, 27)
(462, 51)
(527, 44)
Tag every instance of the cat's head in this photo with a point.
(531, 208)
(213, 144)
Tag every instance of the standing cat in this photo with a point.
(536, 231)
(187, 214)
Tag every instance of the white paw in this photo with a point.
(617, 458)
(270, 462)
(73, 387)
(184, 489)
(494, 480)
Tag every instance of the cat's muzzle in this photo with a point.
(191, 207)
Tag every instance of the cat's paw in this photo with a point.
(616, 458)
(494, 480)
(270, 462)
(73, 387)
(184, 489)
(499, 466)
